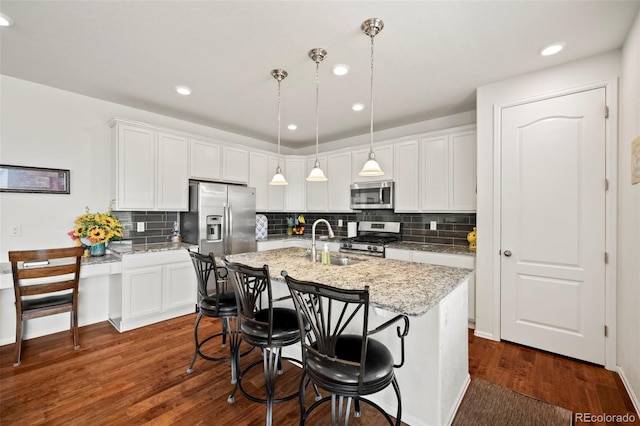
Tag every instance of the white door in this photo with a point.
(553, 225)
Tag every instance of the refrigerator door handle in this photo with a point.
(228, 228)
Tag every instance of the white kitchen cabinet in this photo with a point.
(384, 157)
(462, 157)
(276, 192)
(407, 171)
(294, 197)
(155, 286)
(448, 179)
(206, 160)
(434, 180)
(338, 186)
(316, 192)
(235, 164)
(262, 167)
(172, 192)
(151, 168)
(216, 162)
(446, 259)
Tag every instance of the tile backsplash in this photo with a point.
(452, 228)
(158, 226)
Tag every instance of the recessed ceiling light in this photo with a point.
(340, 69)
(183, 90)
(5, 21)
(292, 127)
(552, 49)
(357, 107)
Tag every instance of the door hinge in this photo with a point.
(606, 257)
(606, 331)
(606, 111)
(606, 184)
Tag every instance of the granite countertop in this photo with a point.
(402, 287)
(115, 251)
(430, 247)
(435, 248)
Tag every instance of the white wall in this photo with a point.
(629, 219)
(595, 69)
(46, 127)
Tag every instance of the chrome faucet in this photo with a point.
(313, 237)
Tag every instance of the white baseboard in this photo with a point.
(460, 397)
(485, 335)
(471, 324)
(630, 391)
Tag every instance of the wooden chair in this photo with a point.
(45, 283)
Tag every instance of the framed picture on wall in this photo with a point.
(33, 180)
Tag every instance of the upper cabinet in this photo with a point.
(332, 195)
(235, 164)
(316, 194)
(294, 197)
(448, 178)
(212, 161)
(152, 168)
(384, 157)
(206, 160)
(262, 167)
(338, 186)
(436, 174)
(407, 170)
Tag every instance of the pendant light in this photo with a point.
(371, 27)
(317, 175)
(278, 178)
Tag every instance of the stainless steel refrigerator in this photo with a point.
(221, 218)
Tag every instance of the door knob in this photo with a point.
(507, 253)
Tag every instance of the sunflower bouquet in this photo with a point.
(96, 228)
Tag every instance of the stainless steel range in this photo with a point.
(372, 238)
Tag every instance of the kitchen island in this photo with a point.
(436, 373)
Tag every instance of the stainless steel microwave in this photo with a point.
(372, 195)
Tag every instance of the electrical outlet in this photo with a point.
(140, 227)
(340, 222)
(433, 225)
(15, 230)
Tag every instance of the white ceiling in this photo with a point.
(429, 59)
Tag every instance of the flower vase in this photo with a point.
(97, 249)
(289, 231)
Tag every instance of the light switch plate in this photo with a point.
(140, 227)
(340, 222)
(433, 225)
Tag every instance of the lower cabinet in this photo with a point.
(154, 287)
(445, 259)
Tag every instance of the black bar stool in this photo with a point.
(269, 328)
(337, 352)
(220, 303)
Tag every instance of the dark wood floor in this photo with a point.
(139, 377)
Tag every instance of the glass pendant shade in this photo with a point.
(371, 167)
(278, 177)
(371, 27)
(316, 175)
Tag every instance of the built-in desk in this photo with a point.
(98, 277)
